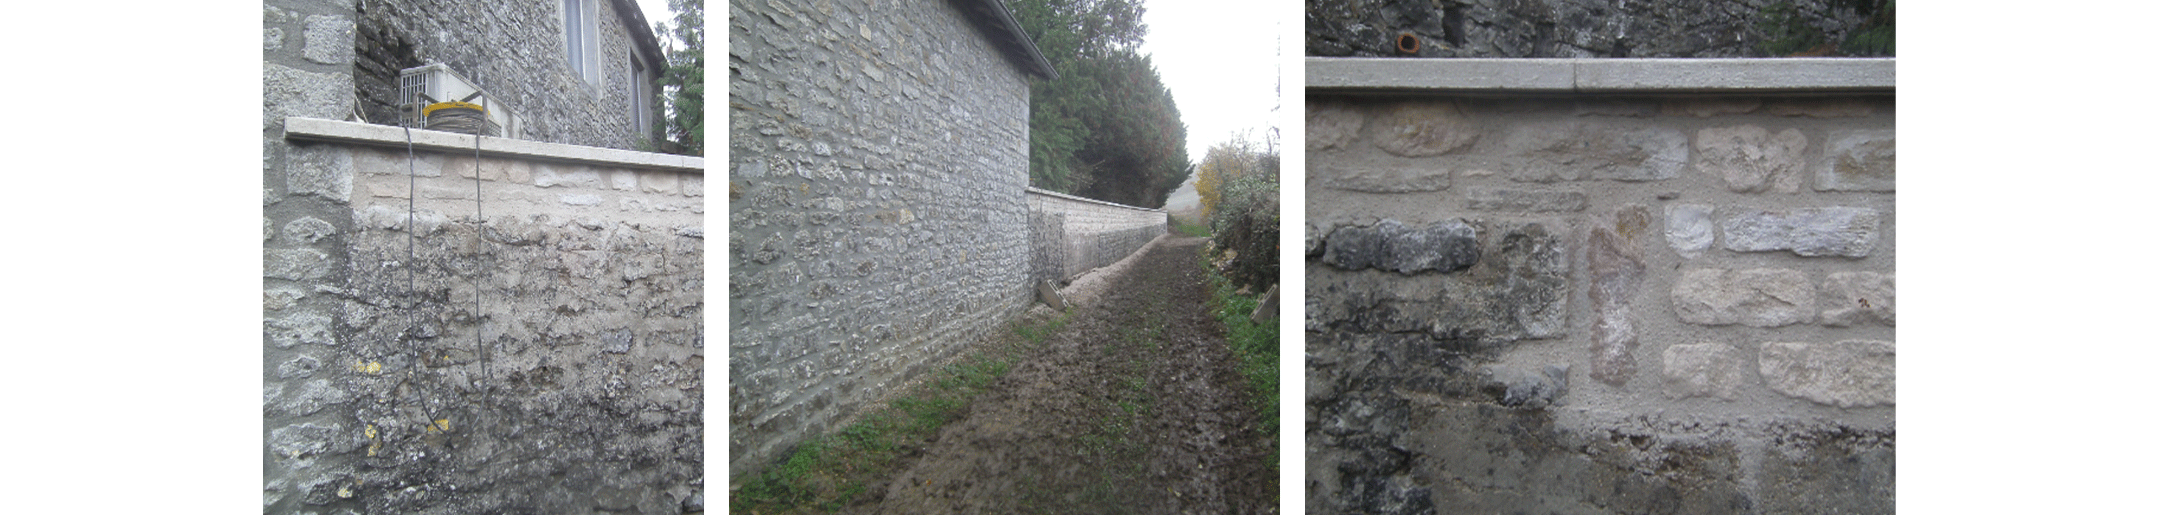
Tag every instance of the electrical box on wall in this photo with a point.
(418, 87)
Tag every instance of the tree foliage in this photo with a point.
(684, 79)
(1240, 193)
(1107, 128)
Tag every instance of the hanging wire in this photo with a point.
(479, 327)
(412, 260)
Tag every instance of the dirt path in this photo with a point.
(1134, 407)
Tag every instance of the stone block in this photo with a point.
(1855, 298)
(624, 180)
(1703, 370)
(1330, 125)
(1533, 390)
(273, 39)
(665, 183)
(1828, 231)
(693, 185)
(575, 176)
(295, 264)
(1384, 177)
(329, 39)
(1046, 292)
(582, 199)
(1750, 159)
(298, 440)
(312, 397)
(1518, 290)
(1846, 374)
(1536, 201)
(1615, 275)
(1707, 107)
(1420, 129)
(1757, 298)
(1554, 152)
(1391, 245)
(308, 229)
(320, 170)
(288, 92)
(1688, 229)
(300, 328)
(1821, 107)
(301, 367)
(274, 299)
(1858, 160)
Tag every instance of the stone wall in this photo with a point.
(1090, 233)
(1568, 28)
(513, 50)
(530, 341)
(877, 206)
(1601, 302)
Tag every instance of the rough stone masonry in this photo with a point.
(1600, 303)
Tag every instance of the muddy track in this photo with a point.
(1134, 407)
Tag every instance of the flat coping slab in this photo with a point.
(1047, 193)
(334, 131)
(1560, 76)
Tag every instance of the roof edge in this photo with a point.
(997, 22)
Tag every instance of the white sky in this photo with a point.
(1219, 63)
(656, 12)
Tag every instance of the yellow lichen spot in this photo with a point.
(344, 492)
(370, 431)
(367, 367)
(371, 448)
(439, 425)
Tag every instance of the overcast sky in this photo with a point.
(1219, 62)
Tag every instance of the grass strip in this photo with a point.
(825, 473)
(1256, 347)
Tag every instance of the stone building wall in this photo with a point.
(1093, 234)
(1601, 302)
(528, 342)
(515, 51)
(877, 206)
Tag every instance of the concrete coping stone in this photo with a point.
(334, 131)
(1777, 75)
(1038, 191)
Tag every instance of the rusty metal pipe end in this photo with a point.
(1406, 43)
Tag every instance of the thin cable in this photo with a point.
(412, 260)
(479, 327)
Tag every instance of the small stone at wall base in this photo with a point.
(1268, 308)
(1850, 373)
(1047, 293)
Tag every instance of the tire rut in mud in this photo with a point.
(1135, 407)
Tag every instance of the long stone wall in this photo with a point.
(1084, 234)
(1597, 287)
(530, 341)
(877, 210)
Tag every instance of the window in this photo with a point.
(641, 98)
(581, 37)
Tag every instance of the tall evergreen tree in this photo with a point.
(1107, 128)
(685, 76)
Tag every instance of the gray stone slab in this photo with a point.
(1601, 75)
(1811, 232)
(1735, 75)
(316, 129)
(1554, 75)
(1391, 245)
